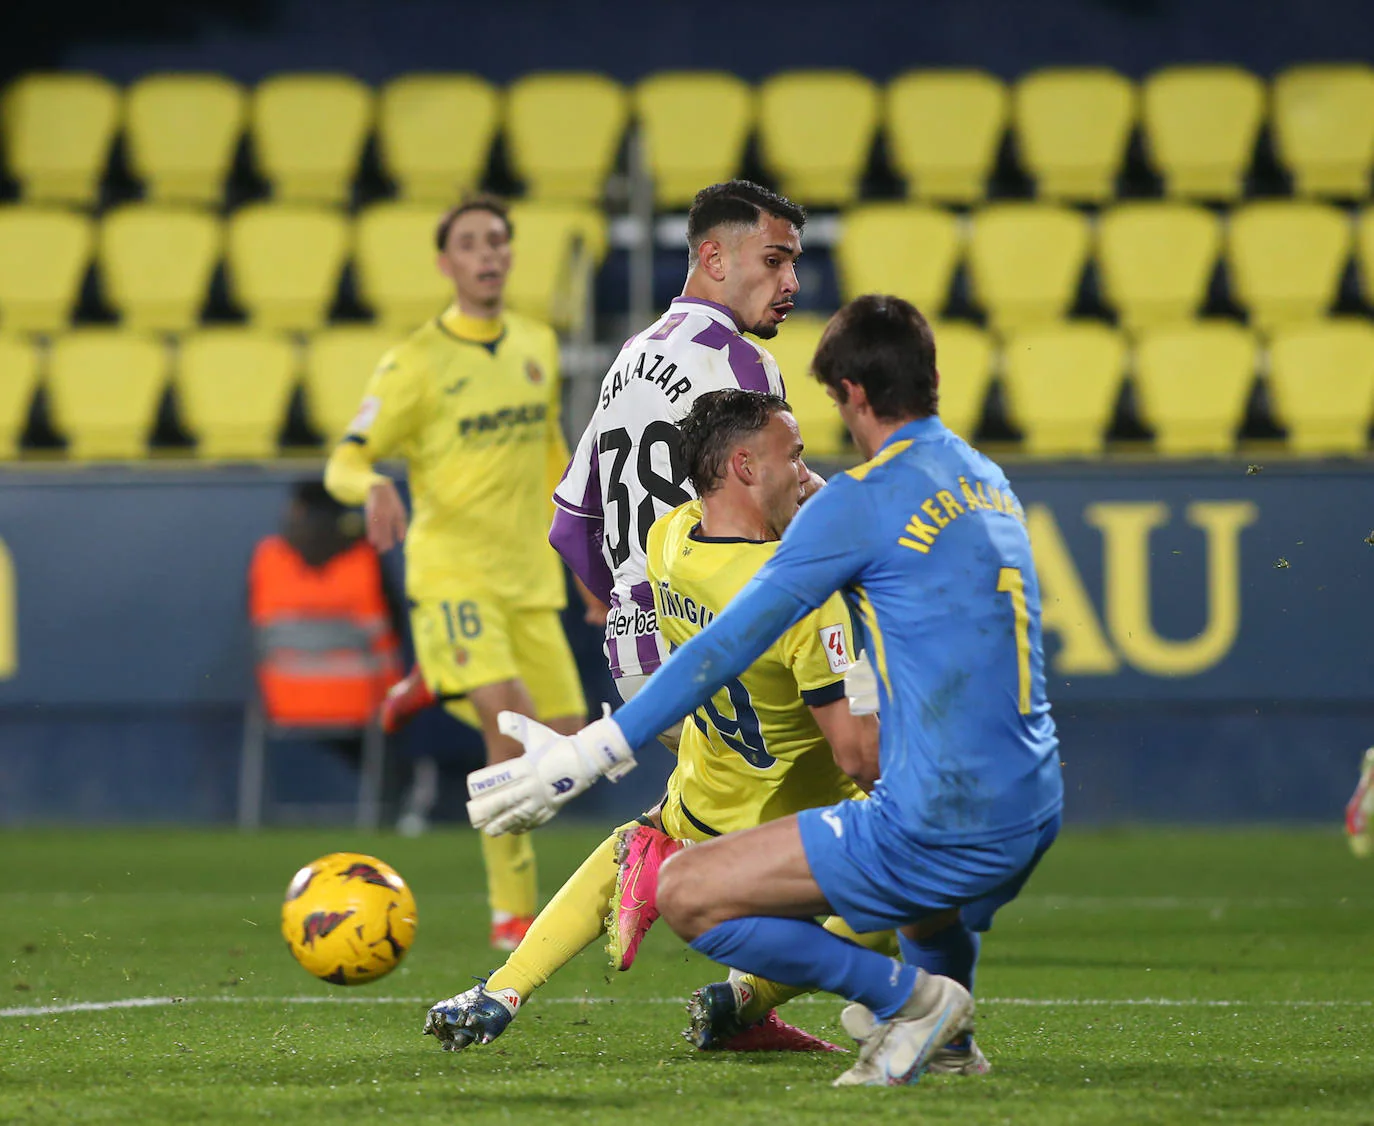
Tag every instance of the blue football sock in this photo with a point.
(802, 953)
(952, 952)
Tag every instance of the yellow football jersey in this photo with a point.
(478, 425)
(754, 752)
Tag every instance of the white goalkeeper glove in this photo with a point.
(516, 795)
(861, 686)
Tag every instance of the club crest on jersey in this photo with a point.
(836, 648)
(533, 372)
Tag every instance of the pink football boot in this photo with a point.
(640, 851)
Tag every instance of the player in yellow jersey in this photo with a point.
(470, 401)
(780, 739)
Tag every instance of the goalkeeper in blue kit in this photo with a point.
(928, 543)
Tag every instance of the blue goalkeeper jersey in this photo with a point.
(929, 545)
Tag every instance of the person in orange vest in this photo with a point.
(327, 650)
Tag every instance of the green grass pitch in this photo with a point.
(1146, 976)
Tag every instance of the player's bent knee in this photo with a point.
(679, 902)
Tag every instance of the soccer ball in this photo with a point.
(348, 918)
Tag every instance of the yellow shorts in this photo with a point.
(465, 643)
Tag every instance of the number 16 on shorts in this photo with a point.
(462, 620)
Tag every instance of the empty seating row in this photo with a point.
(283, 262)
(1060, 385)
(1155, 260)
(232, 386)
(563, 131)
(1192, 383)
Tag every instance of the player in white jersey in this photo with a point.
(628, 470)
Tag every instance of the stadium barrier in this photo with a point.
(1207, 630)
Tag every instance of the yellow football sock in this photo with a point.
(770, 994)
(573, 919)
(512, 882)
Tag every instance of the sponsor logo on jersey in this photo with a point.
(631, 621)
(456, 386)
(505, 420)
(836, 648)
(533, 372)
(320, 924)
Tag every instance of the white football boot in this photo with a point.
(899, 1050)
(961, 1056)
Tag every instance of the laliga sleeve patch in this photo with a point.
(368, 410)
(836, 648)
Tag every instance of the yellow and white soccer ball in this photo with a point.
(348, 918)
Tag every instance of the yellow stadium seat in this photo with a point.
(943, 130)
(233, 386)
(557, 248)
(1324, 128)
(563, 132)
(963, 357)
(816, 130)
(794, 347)
(308, 133)
(18, 379)
(1321, 384)
(284, 262)
(1025, 261)
(434, 132)
(1364, 252)
(1072, 125)
(1061, 385)
(43, 258)
(338, 362)
(1200, 126)
(156, 263)
(1285, 259)
(104, 387)
(693, 128)
(58, 132)
(899, 248)
(1155, 260)
(1192, 384)
(394, 259)
(181, 131)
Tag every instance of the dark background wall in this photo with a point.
(377, 39)
(133, 660)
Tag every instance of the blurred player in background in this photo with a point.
(628, 469)
(928, 541)
(779, 739)
(1359, 812)
(471, 402)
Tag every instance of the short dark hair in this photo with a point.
(740, 203)
(479, 201)
(714, 426)
(884, 345)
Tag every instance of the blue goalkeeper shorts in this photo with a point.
(877, 880)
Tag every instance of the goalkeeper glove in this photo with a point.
(861, 686)
(516, 795)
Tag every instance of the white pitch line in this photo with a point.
(1030, 1002)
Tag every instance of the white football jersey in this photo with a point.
(628, 470)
